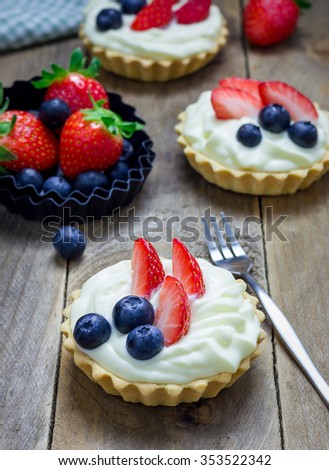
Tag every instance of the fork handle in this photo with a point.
(290, 339)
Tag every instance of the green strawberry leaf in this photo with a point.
(3, 104)
(93, 69)
(3, 170)
(304, 4)
(77, 65)
(112, 121)
(6, 126)
(76, 62)
(6, 155)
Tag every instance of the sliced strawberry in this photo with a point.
(231, 103)
(173, 314)
(298, 105)
(148, 272)
(246, 84)
(193, 11)
(187, 270)
(154, 15)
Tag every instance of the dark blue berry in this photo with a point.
(54, 113)
(91, 330)
(58, 184)
(132, 311)
(109, 18)
(144, 342)
(131, 7)
(303, 134)
(274, 118)
(120, 171)
(89, 180)
(127, 151)
(249, 135)
(34, 112)
(29, 176)
(69, 242)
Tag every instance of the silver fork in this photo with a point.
(231, 256)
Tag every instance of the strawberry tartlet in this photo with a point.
(160, 331)
(156, 40)
(262, 138)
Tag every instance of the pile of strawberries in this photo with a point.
(160, 13)
(236, 97)
(90, 139)
(173, 313)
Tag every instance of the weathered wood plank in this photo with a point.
(88, 418)
(298, 269)
(32, 284)
(31, 292)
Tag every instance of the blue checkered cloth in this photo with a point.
(26, 22)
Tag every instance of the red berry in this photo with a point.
(148, 272)
(154, 15)
(75, 89)
(267, 22)
(33, 144)
(187, 270)
(299, 106)
(92, 139)
(232, 103)
(193, 11)
(74, 85)
(246, 84)
(173, 314)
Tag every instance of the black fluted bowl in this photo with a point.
(33, 205)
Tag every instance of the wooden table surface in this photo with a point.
(47, 403)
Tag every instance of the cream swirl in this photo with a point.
(216, 139)
(224, 328)
(176, 41)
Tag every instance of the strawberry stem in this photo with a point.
(3, 171)
(112, 121)
(77, 65)
(3, 103)
(303, 4)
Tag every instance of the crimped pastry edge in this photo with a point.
(250, 182)
(149, 70)
(155, 394)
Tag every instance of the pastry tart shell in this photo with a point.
(155, 394)
(149, 70)
(250, 182)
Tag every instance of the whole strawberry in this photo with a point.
(24, 141)
(92, 139)
(75, 84)
(268, 22)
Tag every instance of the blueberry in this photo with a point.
(91, 330)
(127, 151)
(54, 113)
(274, 118)
(69, 242)
(131, 7)
(58, 184)
(132, 311)
(120, 171)
(29, 176)
(109, 18)
(249, 135)
(34, 112)
(144, 342)
(89, 180)
(304, 134)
